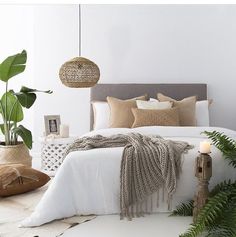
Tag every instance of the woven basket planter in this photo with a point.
(79, 72)
(15, 154)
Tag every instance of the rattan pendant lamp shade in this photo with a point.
(79, 72)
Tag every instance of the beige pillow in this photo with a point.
(17, 178)
(153, 104)
(120, 111)
(163, 117)
(187, 109)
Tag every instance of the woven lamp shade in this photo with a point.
(79, 72)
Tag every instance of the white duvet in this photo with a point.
(88, 181)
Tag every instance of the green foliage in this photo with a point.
(184, 209)
(209, 214)
(12, 66)
(11, 103)
(25, 134)
(11, 107)
(223, 186)
(27, 96)
(218, 217)
(225, 144)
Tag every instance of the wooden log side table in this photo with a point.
(203, 171)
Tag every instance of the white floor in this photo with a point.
(158, 225)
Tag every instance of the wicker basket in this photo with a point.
(15, 154)
(79, 72)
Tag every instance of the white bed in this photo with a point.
(88, 181)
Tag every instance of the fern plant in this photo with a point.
(225, 144)
(218, 217)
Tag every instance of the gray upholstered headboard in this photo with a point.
(126, 91)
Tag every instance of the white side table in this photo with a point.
(52, 153)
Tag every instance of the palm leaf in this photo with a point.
(12, 66)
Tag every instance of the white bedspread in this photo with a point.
(88, 181)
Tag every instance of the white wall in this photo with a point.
(131, 44)
(167, 44)
(55, 41)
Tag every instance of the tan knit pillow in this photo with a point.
(120, 111)
(17, 178)
(164, 117)
(187, 109)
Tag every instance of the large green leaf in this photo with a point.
(25, 134)
(26, 99)
(14, 108)
(27, 96)
(13, 65)
(30, 90)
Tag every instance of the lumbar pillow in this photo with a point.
(187, 109)
(153, 104)
(17, 178)
(163, 117)
(120, 111)
(101, 114)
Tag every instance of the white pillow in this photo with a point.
(101, 112)
(141, 104)
(202, 113)
(152, 99)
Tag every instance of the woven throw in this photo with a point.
(149, 163)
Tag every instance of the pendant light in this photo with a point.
(79, 72)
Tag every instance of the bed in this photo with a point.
(88, 181)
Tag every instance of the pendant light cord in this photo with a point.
(79, 29)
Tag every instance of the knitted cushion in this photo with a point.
(187, 109)
(17, 178)
(164, 117)
(120, 111)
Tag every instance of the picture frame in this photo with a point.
(52, 124)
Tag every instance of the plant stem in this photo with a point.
(14, 135)
(6, 128)
(13, 139)
(3, 114)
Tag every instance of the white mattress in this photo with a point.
(88, 181)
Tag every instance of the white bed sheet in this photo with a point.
(88, 181)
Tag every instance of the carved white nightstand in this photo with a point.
(52, 153)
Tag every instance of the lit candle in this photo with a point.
(64, 130)
(205, 147)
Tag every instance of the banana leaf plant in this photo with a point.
(12, 103)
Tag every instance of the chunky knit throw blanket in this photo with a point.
(149, 163)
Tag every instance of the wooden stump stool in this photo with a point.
(203, 171)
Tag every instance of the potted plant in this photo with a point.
(11, 109)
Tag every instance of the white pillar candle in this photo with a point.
(64, 130)
(205, 147)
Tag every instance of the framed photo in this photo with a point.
(52, 124)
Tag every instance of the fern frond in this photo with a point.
(218, 217)
(184, 209)
(220, 231)
(225, 226)
(225, 144)
(223, 186)
(209, 214)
